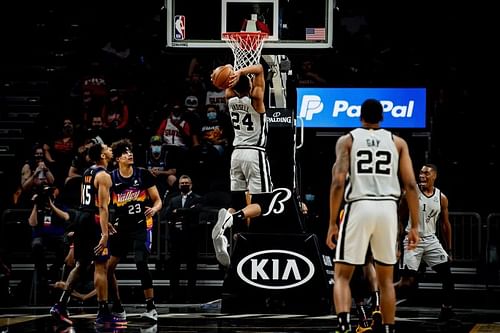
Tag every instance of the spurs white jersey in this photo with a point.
(374, 166)
(250, 127)
(429, 212)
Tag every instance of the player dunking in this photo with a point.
(249, 164)
(369, 162)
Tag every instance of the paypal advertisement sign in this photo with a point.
(341, 107)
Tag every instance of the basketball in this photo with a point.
(220, 76)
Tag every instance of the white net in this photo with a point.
(246, 47)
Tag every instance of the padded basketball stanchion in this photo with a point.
(277, 266)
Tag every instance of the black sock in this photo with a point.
(117, 306)
(344, 321)
(103, 308)
(363, 318)
(65, 297)
(239, 216)
(389, 328)
(376, 300)
(150, 304)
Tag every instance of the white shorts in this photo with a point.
(428, 249)
(250, 171)
(368, 222)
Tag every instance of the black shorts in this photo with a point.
(87, 236)
(138, 241)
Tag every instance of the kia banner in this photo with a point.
(340, 107)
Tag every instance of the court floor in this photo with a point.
(207, 317)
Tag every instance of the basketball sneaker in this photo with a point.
(108, 320)
(152, 329)
(446, 313)
(361, 329)
(119, 314)
(377, 320)
(150, 315)
(224, 220)
(60, 314)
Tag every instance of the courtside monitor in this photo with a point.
(340, 107)
(290, 24)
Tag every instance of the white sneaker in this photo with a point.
(152, 329)
(150, 315)
(220, 246)
(224, 220)
(119, 315)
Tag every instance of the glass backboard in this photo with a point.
(291, 24)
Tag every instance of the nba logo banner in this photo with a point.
(180, 27)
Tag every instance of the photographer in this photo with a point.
(35, 173)
(48, 234)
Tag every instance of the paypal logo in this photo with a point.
(341, 107)
(311, 104)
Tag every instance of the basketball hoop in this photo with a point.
(246, 47)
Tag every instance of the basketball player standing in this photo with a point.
(132, 188)
(433, 211)
(91, 237)
(250, 169)
(369, 162)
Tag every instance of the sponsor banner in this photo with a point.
(279, 117)
(341, 107)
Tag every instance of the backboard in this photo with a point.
(291, 24)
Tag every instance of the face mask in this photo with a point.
(310, 197)
(211, 115)
(156, 149)
(185, 188)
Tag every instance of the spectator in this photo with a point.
(215, 128)
(308, 76)
(183, 235)
(48, 234)
(115, 115)
(159, 163)
(177, 135)
(61, 151)
(34, 174)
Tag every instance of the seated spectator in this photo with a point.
(61, 150)
(177, 135)
(115, 115)
(215, 128)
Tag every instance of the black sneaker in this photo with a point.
(446, 313)
(60, 314)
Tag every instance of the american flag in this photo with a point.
(315, 34)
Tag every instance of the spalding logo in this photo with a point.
(275, 269)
